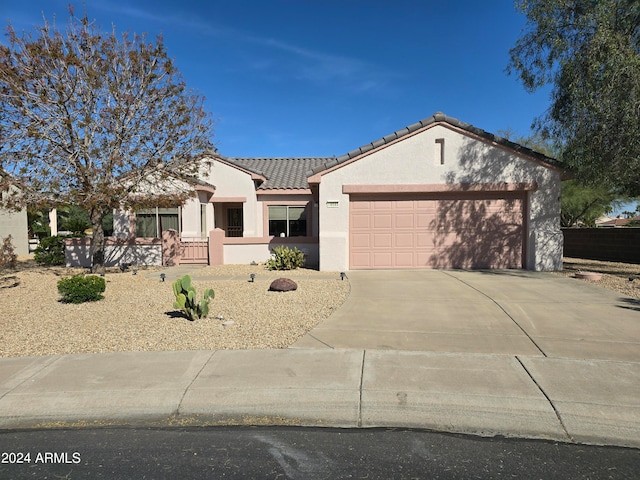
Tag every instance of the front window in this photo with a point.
(287, 221)
(151, 222)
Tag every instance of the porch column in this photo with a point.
(53, 222)
(216, 247)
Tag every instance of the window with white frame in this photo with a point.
(287, 221)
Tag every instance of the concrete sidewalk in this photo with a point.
(591, 401)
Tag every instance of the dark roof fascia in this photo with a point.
(441, 118)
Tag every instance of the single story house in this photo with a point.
(607, 222)
(437, 194)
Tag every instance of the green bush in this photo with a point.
(186, 299)
(283, 258)
(80, 288)
(50, 251)
(74, 219)
(8, 257)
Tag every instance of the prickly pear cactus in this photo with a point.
(186, 300)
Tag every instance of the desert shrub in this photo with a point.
(8, 257)
(283, 258)
(186, 298)
(81, 288)
(50, 251)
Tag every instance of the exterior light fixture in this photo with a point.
(162, 276)
(342, 275)
(252, 277)
(135, 271)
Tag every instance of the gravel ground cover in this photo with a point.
(615, 276)
(137, 312)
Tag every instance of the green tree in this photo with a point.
(73, 219)
(590, 52)
(582, 205)
(579, 204)
(93, 119)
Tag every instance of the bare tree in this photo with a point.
(87, 118)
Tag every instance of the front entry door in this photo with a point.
(234, 222)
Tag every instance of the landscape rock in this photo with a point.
(283, 285)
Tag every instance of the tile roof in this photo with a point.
(437, 117)
(281, 173)
(292, 173)
(618, 222)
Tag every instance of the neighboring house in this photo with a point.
(14, 223)
(617, 222)
(437, 194)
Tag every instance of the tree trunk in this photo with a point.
(97, 261)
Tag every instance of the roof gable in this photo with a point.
(439, 118)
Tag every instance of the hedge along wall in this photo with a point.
(612, 244)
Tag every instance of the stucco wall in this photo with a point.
(237, 253)
(78, 252)
(15, 224)
(232, 183)
(415, 159)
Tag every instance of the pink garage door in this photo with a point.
(483, 230)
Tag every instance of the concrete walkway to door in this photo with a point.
(507, 312)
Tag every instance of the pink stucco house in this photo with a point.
(437, 194)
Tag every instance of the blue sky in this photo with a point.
(323, 77)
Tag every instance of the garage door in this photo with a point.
(483, 230)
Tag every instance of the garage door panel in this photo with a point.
(468, 231)
(381, 205)
(425, 220)
(404, 260)
(360, 221)
(383, 240)
(423, 240)
(361, 240)
(360, 260)
(404, 240)
(404, 220)
(360, 205)
(383, 220)
(382, 259)
(424, 259)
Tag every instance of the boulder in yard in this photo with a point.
(283, 285)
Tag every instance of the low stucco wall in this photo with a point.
(246, 250)
(140, 251)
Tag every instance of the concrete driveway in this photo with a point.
(506, 312)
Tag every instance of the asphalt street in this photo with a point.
(299, 453)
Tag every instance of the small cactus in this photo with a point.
(186, 298)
